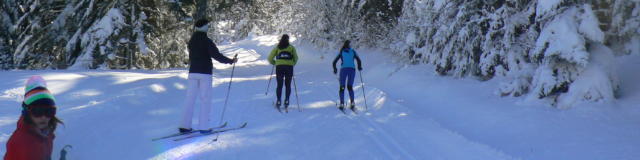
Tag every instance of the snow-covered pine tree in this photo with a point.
(93, 34)
(99, 41)
(624, 32)
(374, 20)
(228, 19)
(29, 33)
(166, 29)
(521, 41)
(411, 31)
(6, 59)
(321, 12)
(446, 34)
(512, 29)
(327, 24)
(562, 52)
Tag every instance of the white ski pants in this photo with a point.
(199, 85)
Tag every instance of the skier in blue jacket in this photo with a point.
(347, 71)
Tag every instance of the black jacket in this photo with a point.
(201, 50)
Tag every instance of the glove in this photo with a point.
(359, 68)
(335, 71)
(234, 60)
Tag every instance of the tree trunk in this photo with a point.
(201, 9)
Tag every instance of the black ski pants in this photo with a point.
(284, 74)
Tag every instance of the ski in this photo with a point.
(219, 132)
(180, 134)
(343, 111)
(211, 133)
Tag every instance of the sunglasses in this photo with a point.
(43, 111)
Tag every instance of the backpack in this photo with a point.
(284, 55)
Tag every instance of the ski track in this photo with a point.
(378, 134)
(386, 141)
(372, 136)
(381, 138)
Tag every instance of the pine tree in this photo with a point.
(516, 39)
(624, 34)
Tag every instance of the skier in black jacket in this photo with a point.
(201, 50)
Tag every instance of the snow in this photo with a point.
(72, 42)
(589, 25)
(633, 46)
(563, 39)
(142, 45)
(437, 4)
(21, 50)
(105, 27)
(594, 82)
(362, 3)
(60, 20)
(140, 38)
(89, 9)
(546, 5)
(412, 114)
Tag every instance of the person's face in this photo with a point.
(41, 122)
(41, 116)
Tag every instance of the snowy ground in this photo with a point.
(413, 114)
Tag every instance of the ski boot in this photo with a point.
(185, 130)
(278, 104)
(352, 106)
(286, 106)
(341, 107)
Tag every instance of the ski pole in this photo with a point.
(228, 92)
(228, 89)
(63, 152)
(296, 89)
(270, 76)
(366, 108)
